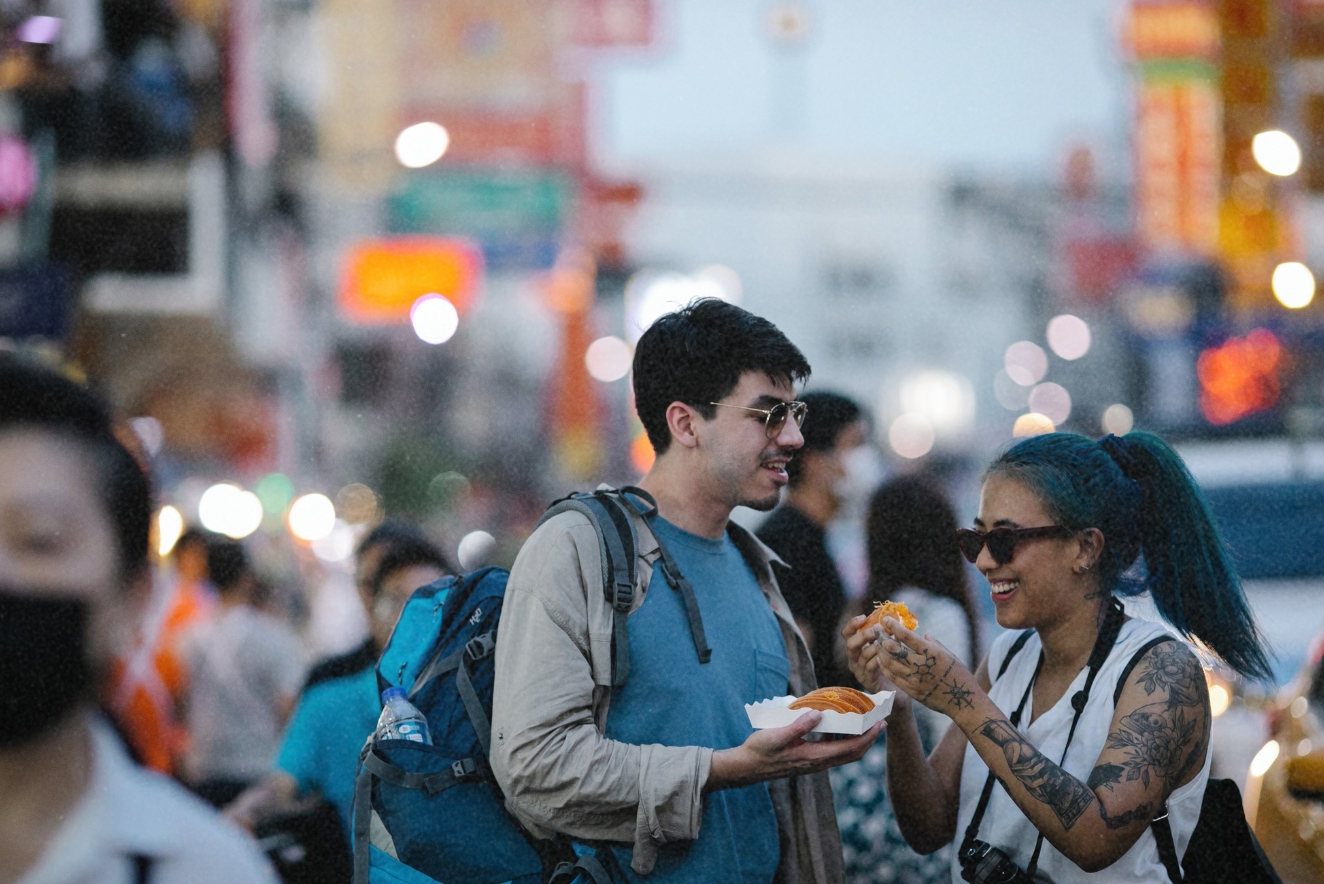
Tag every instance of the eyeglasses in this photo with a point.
(1002, 542)
(775, 418)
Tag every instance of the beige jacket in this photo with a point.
(553, 687)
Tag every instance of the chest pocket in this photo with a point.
(773, 672)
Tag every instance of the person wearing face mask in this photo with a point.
(834, 426)
(320, 751)
(75, 513)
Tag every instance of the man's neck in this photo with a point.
(39, 785)
(682, 499)
(819, 505)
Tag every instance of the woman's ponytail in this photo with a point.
(1190, 574)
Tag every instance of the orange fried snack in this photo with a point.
(891, 609)
(835, 700)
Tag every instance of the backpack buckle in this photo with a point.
(479, 647)
(624, 596)
(464, 769)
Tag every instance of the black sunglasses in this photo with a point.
(1002, 542)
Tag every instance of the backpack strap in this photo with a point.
(142, 867)
(475, 649)
(587, 869)
(617, 545)
(670, 571)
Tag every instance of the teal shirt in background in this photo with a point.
(326, 733)
(672, 700)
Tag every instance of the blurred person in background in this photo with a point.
(148, 684)
(913, 558)
(797, 530)
(337, 712)
(245, 669)
(1116, 724)
(75, 514)
(367, 560)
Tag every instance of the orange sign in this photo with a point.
(1178, 149)
(382, 278)
(1172, 30)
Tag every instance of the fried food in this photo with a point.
(835, 700)
(891, 609)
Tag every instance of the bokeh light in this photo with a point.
(337, 545)
(641, 453)
(1052, 401)
(149, 433)
(434, 318)
(1032, 424)
(475, 550)
(1276, 152)
(230, 510)
(1068, 336)
(1293, 285)
(946, 400)
(1117, 419)
(421, 144)
(312, 517)
(1026, 363)
(169, 526)
(1219, 700)
(650, 295)
(1239, 377)
(1264, 759)
(1010, 395)
(911, 436)
(608, 359)
(357, 503)
(275, 490)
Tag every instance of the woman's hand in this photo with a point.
(923, 669)
(862, 654)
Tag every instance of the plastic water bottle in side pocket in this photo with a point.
(401, 720)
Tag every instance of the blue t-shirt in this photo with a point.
(672, 700)
(322, 744)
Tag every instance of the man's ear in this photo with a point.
(681, 420)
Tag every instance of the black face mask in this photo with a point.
(44, 670)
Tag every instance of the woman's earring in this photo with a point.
(1083, 569)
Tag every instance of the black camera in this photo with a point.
(982, 863)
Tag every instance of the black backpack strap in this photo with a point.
(587, 868)
(142, 867)
(1136, 658)
(618, 547)
(670, 571)
(1013, 651)
(362, 814)
(1167, 850)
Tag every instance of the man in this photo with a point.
(75, 513)
(245, 671)
(667, 770)
(367, 561)
(797, 531)
(336, 713)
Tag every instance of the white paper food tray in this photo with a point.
(774, 713)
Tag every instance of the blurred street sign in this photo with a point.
(1177, 165)
(517, 217)
(1181, 30)
(382, 278)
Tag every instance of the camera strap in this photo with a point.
(1113, 619)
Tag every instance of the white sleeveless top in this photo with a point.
(1004, 825)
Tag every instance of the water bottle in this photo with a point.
(401, 719)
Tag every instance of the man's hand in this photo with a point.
(775, 753)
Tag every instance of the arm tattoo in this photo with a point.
(1141, 813)
(1173, 668)
(1105, 776)
(958, 694)
(1065, 795)
(928, 674)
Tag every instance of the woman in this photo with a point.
(1083, 771)
(912, 559)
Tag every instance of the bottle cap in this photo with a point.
(390, 693)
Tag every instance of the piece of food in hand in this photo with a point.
(891, 609)
(835, 700)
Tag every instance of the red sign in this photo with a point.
(1182, 29)
(1178, 152)
(382, 278)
